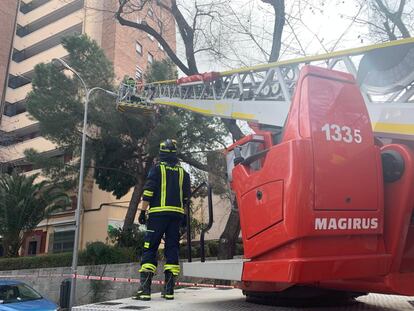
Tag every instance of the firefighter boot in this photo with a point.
(168, 292)
(144, 291)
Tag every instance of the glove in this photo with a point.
(183, 226)
(142, 219)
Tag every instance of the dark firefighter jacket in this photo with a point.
(167, 188)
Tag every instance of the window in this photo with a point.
(17, 293)
(138, 48)
(150, 37)
(138, 73)
(63, 241)
(150, 58)
(32, 248)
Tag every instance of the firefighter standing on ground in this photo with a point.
(166, 192)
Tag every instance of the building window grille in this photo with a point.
(138, 48)
(63, 241)
(138, 73)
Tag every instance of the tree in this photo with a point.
(161, 70)
(190, 27)
(389, 19)
(23, 205)
(377, 20)
(120, 147)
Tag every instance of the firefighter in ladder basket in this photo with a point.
(166, 192)
(128, 99)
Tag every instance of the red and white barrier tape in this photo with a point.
(113, 279)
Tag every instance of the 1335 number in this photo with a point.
(346, 134)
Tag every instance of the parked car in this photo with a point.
(16, 295)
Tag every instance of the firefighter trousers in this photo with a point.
(159, 225)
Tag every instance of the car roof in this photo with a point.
(10, 282)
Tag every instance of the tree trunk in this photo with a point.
(6, 247)
(133, 204)
(187, 34)
(228, 239)
(233, 128)
(14, 249)
(279, 8)
(401, 27)
(230, 235)
(11, 246)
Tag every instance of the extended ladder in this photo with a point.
(263, 93)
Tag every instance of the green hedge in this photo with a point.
(98, 253)
(47, 261)
(95, 254)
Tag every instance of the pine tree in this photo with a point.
(121, 147)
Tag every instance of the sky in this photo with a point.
(312, 27)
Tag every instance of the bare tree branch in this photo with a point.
(394, 17)
(148, 29)
(400, 8)
(347, 28)
(193, 162)
(296, 37)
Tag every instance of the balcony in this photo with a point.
(18, 122)
(44, 57)
(21, 43)
(16, 152)
(49, 43)
(28, 6)
(19, 94)
(41, 12)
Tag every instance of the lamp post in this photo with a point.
(88, 93)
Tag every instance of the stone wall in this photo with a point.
(87, 291)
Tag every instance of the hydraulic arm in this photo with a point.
(263, 93)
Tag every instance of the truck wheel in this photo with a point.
(302, 296)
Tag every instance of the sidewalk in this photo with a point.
(208, 299)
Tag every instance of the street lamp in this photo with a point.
(88, 93)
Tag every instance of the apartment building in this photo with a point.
(31, 33)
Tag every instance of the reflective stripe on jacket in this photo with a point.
(167, 188)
